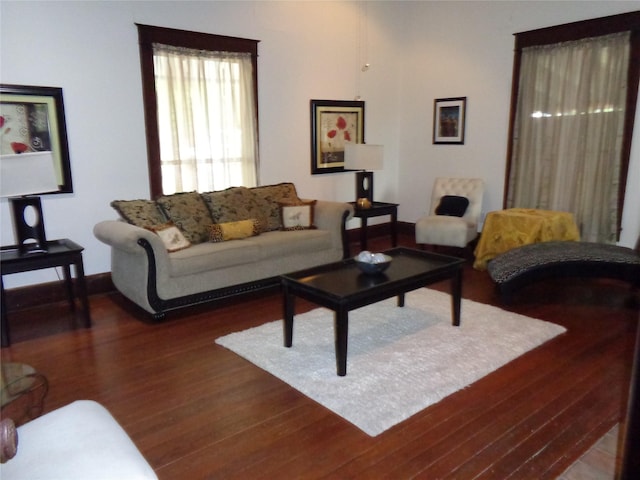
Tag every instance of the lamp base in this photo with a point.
(30, 235)
(364, 185)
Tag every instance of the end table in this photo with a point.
(60, 253)
(377, 209)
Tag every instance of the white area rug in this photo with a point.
(399, 361)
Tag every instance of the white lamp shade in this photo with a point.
(27, 174)
(360, 156)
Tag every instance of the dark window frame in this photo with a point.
(625, 22)
(147, 36)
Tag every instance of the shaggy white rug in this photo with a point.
(399, 360)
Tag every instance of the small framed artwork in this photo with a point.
(449, 115)
(32, 120)
(334, 123)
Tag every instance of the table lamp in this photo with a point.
(363, 157)
(22, 177)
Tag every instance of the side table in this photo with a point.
(60, 253)
(377, 209)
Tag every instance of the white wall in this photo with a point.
(418, 51)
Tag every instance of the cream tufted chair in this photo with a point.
(445, 229)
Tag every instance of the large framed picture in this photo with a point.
(32, 120)
(333, 124)
(449, 115)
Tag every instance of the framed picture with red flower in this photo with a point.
(32, 120)
(334, 123)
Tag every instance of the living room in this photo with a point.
(416, 51)
(90, 50)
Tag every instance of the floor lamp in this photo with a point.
(363, 157)
(23, 177)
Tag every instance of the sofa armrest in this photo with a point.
(124, 236)
(139, 260)
(332, 216)
(328, 215)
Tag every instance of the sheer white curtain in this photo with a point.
(568, 131)
(207, 121)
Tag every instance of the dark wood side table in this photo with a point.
(60, 253)
(377, 209)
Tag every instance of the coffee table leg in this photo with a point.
(288, 308)
(342, 335)
(456, 294)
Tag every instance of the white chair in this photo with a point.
(447, 229)
(78, 441)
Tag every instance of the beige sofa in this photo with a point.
(163, 256)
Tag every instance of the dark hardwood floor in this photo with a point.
(198, 411)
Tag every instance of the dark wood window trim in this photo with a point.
(147, 36)
(575, 31)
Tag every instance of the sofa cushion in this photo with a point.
(234, 204)
(189, 212)
(171, 236)
(282, 244)
(141, 213)
(210, 256)
(297, 215)
(222, 232)
(268, 198)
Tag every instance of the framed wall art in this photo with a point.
(333, 124)
(449, 115)
(32, 120)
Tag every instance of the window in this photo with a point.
(200, 96)
(573, 105)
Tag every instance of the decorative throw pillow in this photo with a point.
(452, 205)
(171, 236)
(221, 232)
(269, 196)
(142, 213)
(297, 215)
(234, 204)
(189, 213)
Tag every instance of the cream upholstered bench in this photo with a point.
(521, 266)
(78, 441)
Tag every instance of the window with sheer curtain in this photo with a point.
(206, 119)
(201, 110)
(568, 150)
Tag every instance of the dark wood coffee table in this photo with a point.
(342, 287)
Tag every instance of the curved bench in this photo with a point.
(524, 265)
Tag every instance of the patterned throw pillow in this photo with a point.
(234, 204)
(221, 232)
(269, 197)
(189, 212)
(171, 236)
(297, 215)
(142, 213)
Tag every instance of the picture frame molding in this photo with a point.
(449, 134)
(57, 129)
(320, 109)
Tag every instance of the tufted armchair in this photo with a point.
(449, 223)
